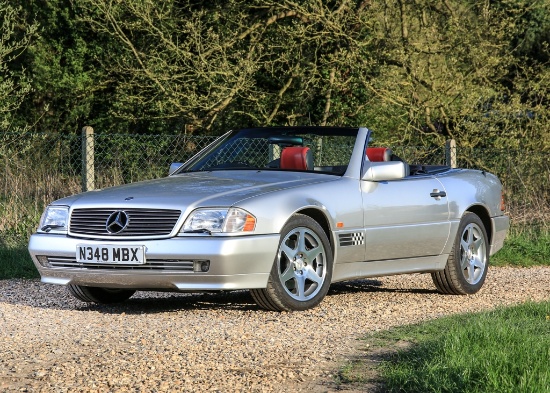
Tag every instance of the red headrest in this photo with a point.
(378, 154)
(296, 157)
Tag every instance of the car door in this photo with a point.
(405, 218)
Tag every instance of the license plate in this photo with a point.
(110, 254)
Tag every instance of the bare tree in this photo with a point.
(13, 87)
(442, 61)
(265, 62)
(417, 71)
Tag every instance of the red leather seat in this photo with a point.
(379, 154)
(297, 158)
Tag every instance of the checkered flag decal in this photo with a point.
(352, 239)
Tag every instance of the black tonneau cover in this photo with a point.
(427, 169)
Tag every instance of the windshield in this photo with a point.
(320, 149)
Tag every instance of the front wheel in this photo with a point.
(302, 270)
(100, 295)
(468, 262)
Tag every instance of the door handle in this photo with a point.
(438, 194)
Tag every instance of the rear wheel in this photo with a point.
(302, 270)
(100, 295)
(468, 262)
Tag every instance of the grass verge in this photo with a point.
(505, 350)
(15, 261)
(525, 246)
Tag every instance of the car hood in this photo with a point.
(198, 189)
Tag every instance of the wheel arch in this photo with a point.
(322, 220)
(483, 214)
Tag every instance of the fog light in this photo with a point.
(201, 266)
(43, 260)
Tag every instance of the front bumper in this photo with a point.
(239, 262)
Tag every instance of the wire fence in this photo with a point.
(40, 168)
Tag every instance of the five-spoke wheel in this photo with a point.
(468, 262)
(473, 253)
(302, 269)
(301, 263)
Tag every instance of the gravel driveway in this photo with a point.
(217, 342)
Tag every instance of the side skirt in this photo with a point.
(354, 270)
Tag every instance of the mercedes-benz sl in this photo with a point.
(283, 212)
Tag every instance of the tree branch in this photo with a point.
(326, 112)
(280, 99)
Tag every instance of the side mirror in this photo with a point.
(382, 171)
(174, 167)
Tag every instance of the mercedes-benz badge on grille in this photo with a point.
(117, 222)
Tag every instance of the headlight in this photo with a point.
(54, 219)
(219, 220)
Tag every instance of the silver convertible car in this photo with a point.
(283, 212)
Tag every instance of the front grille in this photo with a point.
(141, 222)
(152, 264)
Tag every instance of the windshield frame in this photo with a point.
(193, 164)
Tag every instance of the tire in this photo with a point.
(468, 261)
(100, 295)
(302, 270)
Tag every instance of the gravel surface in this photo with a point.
(50, 342)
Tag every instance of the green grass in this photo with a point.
(527, 246)
(15, 261)
(506, 350)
